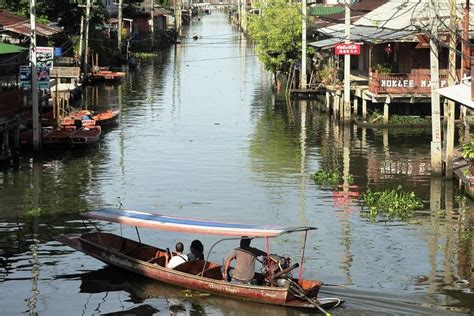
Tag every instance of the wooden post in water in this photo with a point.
(449, 114)
(34, 79)
(328, 102)
(356, 105)
(386, 107)
(436, 159)
(364, 108)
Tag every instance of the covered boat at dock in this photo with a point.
(201, 275)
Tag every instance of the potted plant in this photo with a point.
(468, 154)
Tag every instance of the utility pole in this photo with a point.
(465, 63)
(466, 52)
(119, 28)
(451, 82)
(436, 168)
(86, 44)
(303, 46)
(177, 17)
(239, 13)
(34, 79)
(81, 37)
(347, 65)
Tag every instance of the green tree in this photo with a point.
(277, 33)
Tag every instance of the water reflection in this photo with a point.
(153, 295)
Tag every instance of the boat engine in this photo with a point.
(277, 265)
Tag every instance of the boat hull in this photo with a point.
(211, 282)
(59, 137)
(86, 136)
(107, 118)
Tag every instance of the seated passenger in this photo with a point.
(197, 250)
(178, 258)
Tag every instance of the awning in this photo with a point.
(326, 43)
(188, 225)
(460, 93)
(10, 49)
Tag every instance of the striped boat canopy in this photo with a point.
(188, 225)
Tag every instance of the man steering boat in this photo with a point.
(244, 262)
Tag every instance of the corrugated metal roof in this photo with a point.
(21, 25)
(10, 49)
(409, 14)
(161, 11)
(358, 9)
(368, 34)
(326, 43)
(460, 93)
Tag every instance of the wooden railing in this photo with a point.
(416, 82)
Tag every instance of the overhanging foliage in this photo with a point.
(277, 32)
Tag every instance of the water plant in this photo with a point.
(391, 203)
(143, 55)
(327, 177)
(34, 211)
(468, 149)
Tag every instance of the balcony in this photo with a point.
(415, 83)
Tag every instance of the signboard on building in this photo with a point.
(44, 61)
(347, 49)
(44, 56)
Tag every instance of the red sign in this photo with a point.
(347, 49)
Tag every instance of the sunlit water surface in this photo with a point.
(202, 134)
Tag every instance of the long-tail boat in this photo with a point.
(274, 285)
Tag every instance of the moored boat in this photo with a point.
(277, 287)
(107, 118)
(87, 135)
(107, 75)
(59, 137)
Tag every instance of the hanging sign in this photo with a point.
(347, 49)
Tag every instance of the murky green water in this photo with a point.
(203, 135)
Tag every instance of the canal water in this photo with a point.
(202, 134)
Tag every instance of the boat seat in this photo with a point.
(192, 267)
(213, 273)
(161, 261)
(142, 253)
